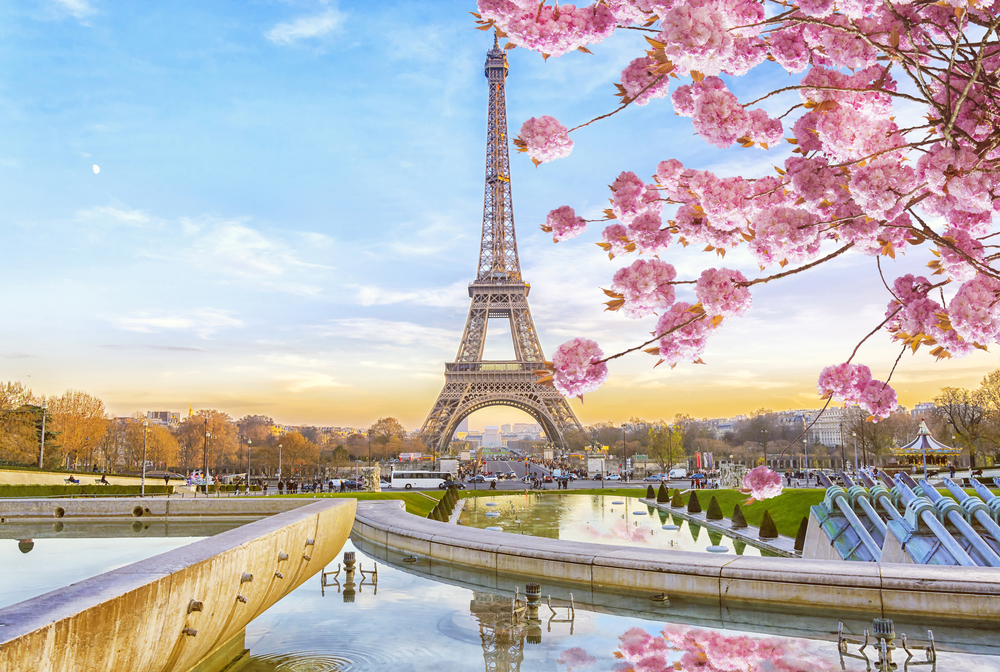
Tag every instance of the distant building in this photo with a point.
(164, 418)
(491, 437)
(924, 409)
(464, 425)
(829, 429)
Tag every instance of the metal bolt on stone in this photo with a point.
(194, 605)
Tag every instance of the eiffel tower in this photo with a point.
(470, 383)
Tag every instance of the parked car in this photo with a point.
(656, 477)
(478, 478)
(613, 477)
(547, 478)
(598, 477)
(678, 473)
(451, 484)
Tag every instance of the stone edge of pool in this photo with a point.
(933, 591)
(139, 617)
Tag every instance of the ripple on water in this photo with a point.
(301, 661)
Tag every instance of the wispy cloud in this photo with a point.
(309, 381)
(202, 321)
(76, 8)
(305, 27)
(375, 330)
(233, 248)
(452, 296)
(117, 215)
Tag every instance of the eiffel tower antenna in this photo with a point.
(470, 383)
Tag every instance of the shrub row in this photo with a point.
(56, 490)
(442, 511)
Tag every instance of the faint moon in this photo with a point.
(97, 169)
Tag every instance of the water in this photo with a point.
(621, 521)
(54, 563)
(414, 622)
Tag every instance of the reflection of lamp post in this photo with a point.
(145, 427)
(41, 448)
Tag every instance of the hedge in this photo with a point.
(227, 488)
(65, 490)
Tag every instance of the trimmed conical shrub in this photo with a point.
(714, 510)
(649, 492)
(767, 527)
(800, 538)
(739, 522)
(662, 496)
(677, 502)
(694, 506)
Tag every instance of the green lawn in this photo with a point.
(417, 503)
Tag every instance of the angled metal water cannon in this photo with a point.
(882, 495)
(861, 498)
(852, 540)
(991, 500)
(950, 510)
(921, 513)
(969, 510)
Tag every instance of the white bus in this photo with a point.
(419, 479)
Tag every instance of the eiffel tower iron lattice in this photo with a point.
(470, 383)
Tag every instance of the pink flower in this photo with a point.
(685, 343)
(577, 369)
(975, 310)
(845, 382)
(878, 399)
(761, 483)
(564, 224)
(631, 197)
(647, 233)
(545, 139)
(553, 30)
(637, 76)
(785, 234)
(646, 286)
(720, 292)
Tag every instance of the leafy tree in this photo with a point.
(963, 411)
(386, 428)
(78, 418)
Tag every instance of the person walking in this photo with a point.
(281, 487)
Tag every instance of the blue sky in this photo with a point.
(289, 206)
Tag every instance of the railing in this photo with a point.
(472, 367)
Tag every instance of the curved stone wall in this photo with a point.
(172, 611)
(873, 588)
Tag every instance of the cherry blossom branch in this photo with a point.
(828, 257)
(623, 105)
(651, 341)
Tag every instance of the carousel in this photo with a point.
(923, 450)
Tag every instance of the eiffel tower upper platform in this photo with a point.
(471, 383)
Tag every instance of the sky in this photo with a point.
(288, 210)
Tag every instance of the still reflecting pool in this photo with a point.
(621, 521)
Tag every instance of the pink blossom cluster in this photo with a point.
(646, 286)
(712, 36)
(912, 312)
(723, 292)
(761, 483)
(718, 116)
(638, 81)
(630, 197)
(975, 310)
(564, 224)
(545, 139)
(550, 29)
(687, 337)
(853, 384)
(785, 233)
(577, 368)
(707, 650)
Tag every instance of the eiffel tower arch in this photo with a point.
(470, 382)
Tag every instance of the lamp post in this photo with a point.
(855, 434)
(279, 461)
(145, 428)
(249, 441)
(625, 451)
(90, 453)
(41, 448)
(204, 466)
(763, 444)
(370, 432)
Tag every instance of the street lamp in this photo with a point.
(145, 427)
(279, 460)
(370, 432)
(625, 451)
(90, 453)
(249, 441)
(855, 434)
(204, 467)
(41, 448)
(763, 444)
